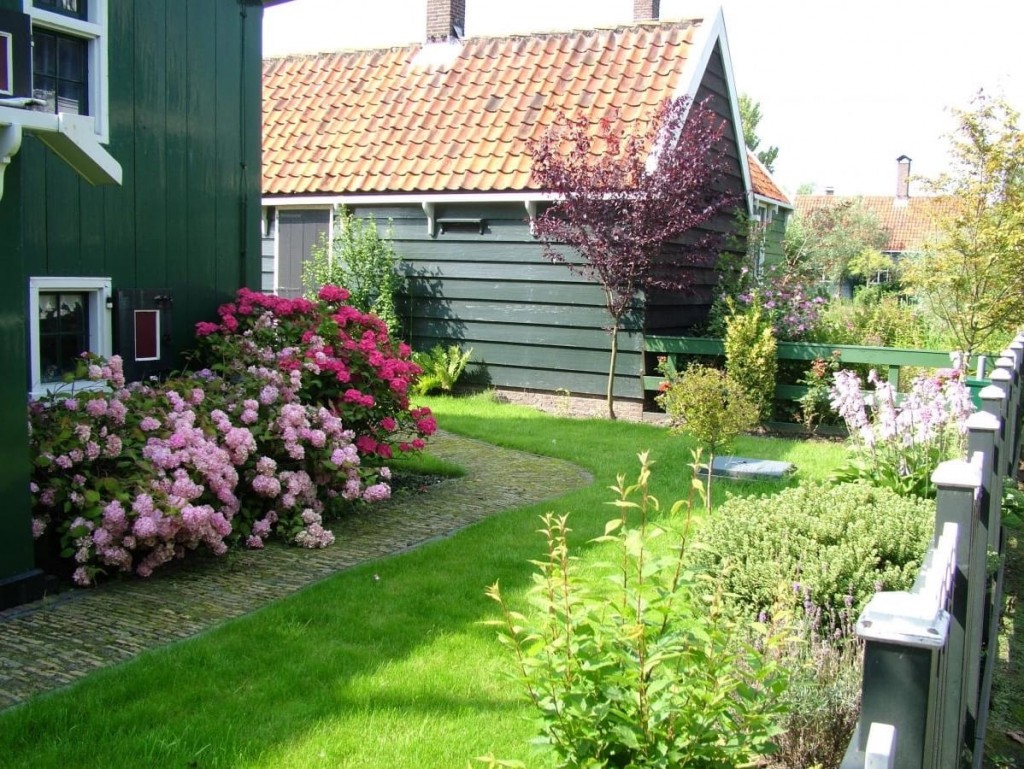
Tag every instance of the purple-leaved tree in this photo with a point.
(633, 206)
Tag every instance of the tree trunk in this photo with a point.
(707, 489)
(611, 368)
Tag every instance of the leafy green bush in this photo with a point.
(708, 404)
(361, 261)
(834, 546)
(873, 318)
(815, 404)
(441, 368)
(624, 662)
(750, 356)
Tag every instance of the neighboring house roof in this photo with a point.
(397, 121)
(762, 184)
(910, 222)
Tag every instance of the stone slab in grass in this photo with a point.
(744, 469)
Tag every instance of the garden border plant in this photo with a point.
(625, 664)
(303, 404)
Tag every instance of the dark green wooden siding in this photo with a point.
(531, 323)
(681, 313)
(185, 127)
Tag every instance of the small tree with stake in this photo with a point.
(624, 201)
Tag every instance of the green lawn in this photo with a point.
(361, 672)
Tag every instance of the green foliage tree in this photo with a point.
(972, 277)
(827, 243)
(750, 117)
(362, 261)
(709, 405)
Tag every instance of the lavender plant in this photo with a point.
(899, 443)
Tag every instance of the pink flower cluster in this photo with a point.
(333, 355)
(904, 434)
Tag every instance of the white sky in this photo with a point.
(845, 86)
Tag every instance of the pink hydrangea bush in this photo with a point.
(269, 441)
(345, 358)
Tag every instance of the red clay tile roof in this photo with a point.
(374, 122)
(909, 221)
(762, 183)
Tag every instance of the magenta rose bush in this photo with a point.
(292, 421)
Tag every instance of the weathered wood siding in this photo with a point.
(531, 323)
(677, 313)
(184, 78)
(185, 129)
(774, 237)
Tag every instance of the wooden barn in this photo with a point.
(129, 175)
(435, 138)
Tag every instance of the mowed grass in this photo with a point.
(385, 665)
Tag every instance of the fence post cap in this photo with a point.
(1001, 373)
(880, 752)
(957, 474)
(993, 393)
(983, 421)
(898, 617)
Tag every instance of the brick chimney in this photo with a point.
(646, 10)
(446, 20)
(902, 177)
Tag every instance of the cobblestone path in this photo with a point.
(52, 642)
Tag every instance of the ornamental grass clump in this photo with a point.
(899, 444)
(127, 477)
(625, 664)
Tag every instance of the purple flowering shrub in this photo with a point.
(898, 443)
(789, 302)
(284, 433)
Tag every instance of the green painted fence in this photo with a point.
(930, 653)
(891, 359)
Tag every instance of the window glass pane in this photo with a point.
(61, 72)
(63, 332)
(44, 53)
(77, 8)
(71, 59)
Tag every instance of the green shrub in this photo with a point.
(708, 404)
(873, 318)
(625, 663)
(441, 368)
(833, 545)
(750, 356)
(816, 403)
(363, 262)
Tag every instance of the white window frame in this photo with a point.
(101, 301)
(94, 31)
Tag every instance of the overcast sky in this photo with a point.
(844, 87)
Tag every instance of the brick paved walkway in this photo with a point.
(51, 643)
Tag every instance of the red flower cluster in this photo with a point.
(341, 358)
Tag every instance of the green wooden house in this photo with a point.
(435, 138)
(130, 155)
